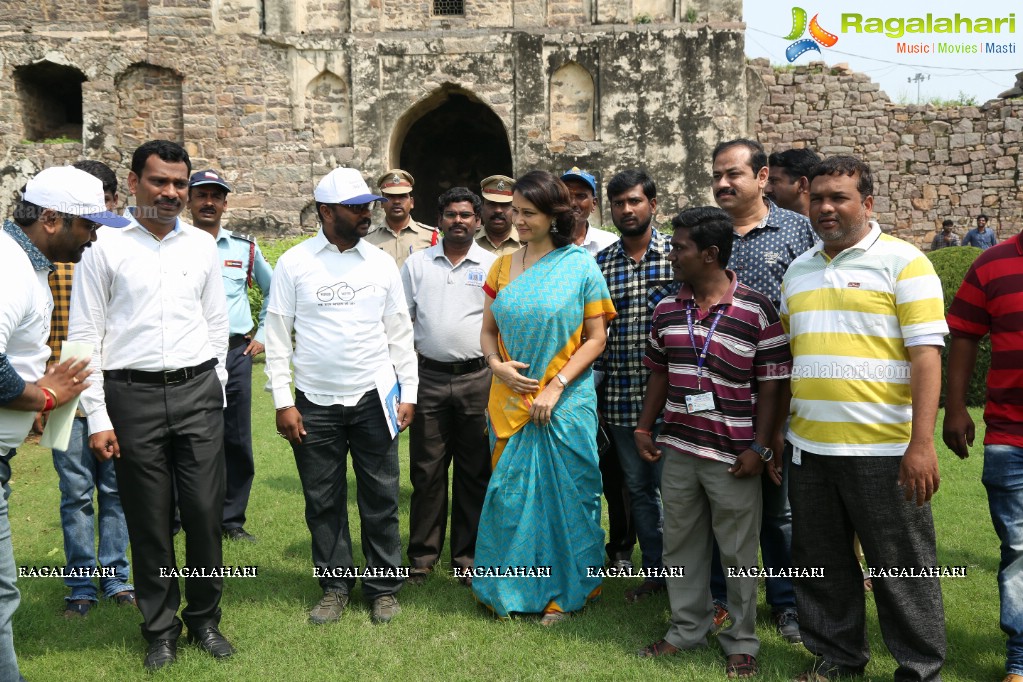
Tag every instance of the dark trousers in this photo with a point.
(171, 435)
(621, 534)
(238, 437)
(833, 497)
(321, 458)
(450, 426)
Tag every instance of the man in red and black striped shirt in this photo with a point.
(717, 353)
(990, 301)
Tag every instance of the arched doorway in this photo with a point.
(452, 139)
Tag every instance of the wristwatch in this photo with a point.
(766, 454)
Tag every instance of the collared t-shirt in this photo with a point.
(982, 240)
(446, 302)
(339, 303)
(147, 304)
(761, 256)
(25, 307)
(235, 252)
(990, 301)
(746, 346)
(849, 319)
(596, 239)
(636, 289)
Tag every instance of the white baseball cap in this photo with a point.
(74, 192)
(344, 186)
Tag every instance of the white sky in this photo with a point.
(980, 75)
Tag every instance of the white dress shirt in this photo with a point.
(147, 304)
(348, 312)
(25, 308)
(596, 239)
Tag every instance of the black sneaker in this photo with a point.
(239, 534)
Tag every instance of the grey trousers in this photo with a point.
(833, 497)
(703, 501)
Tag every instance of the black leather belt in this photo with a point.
(167, 377)
(236, 340)
(464, 367)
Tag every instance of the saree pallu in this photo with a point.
(542, 510)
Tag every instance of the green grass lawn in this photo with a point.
(441, 632)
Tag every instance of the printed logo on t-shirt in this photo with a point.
(340, 293)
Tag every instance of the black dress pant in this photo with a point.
(171, 435)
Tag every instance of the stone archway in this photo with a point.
(450, 139)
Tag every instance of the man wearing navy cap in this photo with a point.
(55, 221)
(356, 385)
(242, 264)
(582, 187)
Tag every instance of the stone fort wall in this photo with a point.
(930, 164)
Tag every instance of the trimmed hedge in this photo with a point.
(952, 264)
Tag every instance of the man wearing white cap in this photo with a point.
(150, 300)
(356, 384)
(55, 221)
(400, 236)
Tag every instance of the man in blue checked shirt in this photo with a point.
(638, 276)
(243, 265)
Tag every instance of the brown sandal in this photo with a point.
(658, 649)
(745, 666)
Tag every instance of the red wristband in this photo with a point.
(643, 431)
(51, 399)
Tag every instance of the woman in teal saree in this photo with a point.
(540, 540)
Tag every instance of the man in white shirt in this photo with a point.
(444, 289)
(342, 297)
(151, 301)
(55, 221)
(582, 187)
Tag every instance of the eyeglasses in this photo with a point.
(464, 215)
(359, 208)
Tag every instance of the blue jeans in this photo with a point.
(80, 473)
(643, 480)
(775, 543)
(9, 595)
(1003, 478)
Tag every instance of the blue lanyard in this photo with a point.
(702, 357)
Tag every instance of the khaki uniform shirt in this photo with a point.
(413, 237)
(511, 243)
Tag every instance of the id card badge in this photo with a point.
(699, 402)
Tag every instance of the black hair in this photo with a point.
(26, 213)
(708, 226)
(101, 171)
(551, 197)
(629, 178)
(757, 155)
(456, 195)
(847, 165)
(947, 223)
(168, 151)
(797, 163)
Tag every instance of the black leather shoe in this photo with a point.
(239, 534)
(211, 641)
(161, 652)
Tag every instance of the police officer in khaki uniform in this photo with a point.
(498, 236)
(400, 236)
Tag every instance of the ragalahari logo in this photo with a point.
(817, 35)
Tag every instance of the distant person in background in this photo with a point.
(582, 187)
(788, 183)
(400, 236)
(498, 235)
(242, 265)
(946, 237)
(80, 474)
(981, 236)
(989, 302)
